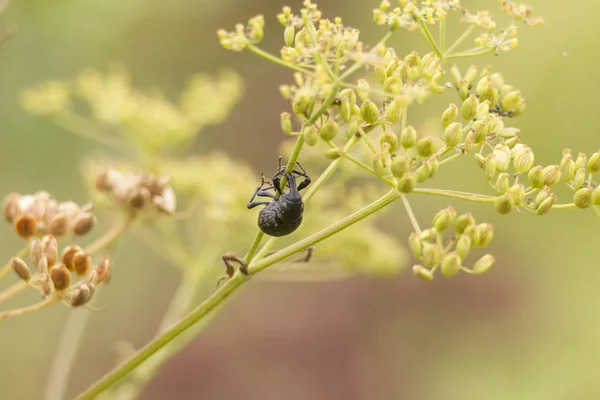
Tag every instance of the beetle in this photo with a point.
(282, 215)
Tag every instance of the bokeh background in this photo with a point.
(528, 329)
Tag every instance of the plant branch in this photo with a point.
(28, 309)
(473, 197)
(458, 41)
(267, 56)
(13, 290)
(411, 214)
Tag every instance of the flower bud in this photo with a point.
(463, 90)
(517, 191)
(523, 159)
(546, 205)
(407, 182)
(400, 165)
(584, 197)
(502, 182)
(579, 178)
(351, 129)
(26, 225)
(422, 272)
(567, 168)
(490, 94)
(363, 88)
(541, 196)
(455, 73)
(61, 277)
(486, 234)
(394, 110)
(480, 131)
(369, 112)
(450, 265)
(581, 161)
(380, 74)
(597, 196)
(502, 153)
(481, 160)
(46, 286)
(414, 243)
(536, 177)
(469, 107)
(391, 139)
(483, 264)
(345, 109)
(424, 171)
(392, 65)
(428, 234)
(430, 255)
(42, 265)
(20, 268)
(453, 134)
(463, 246)
(462, 222)
(471, 74)
(490, 166)
(443, 219)
(378, 165)
(483, 109)
(329, 130)
(84, 223)
(288, 35)
(593, 164)
(449, 116)
(504, 204)
(425, 147)
(310, 136)
(512, 101)
(408, 137)
(81, 263)
(551, 175)
(512, 134)
(301, 102)
(286, 123)
(334, 153)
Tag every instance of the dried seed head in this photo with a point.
(46, 286)
(103, 182)
(59, 225)
(68, 254)
(42, 265)
(20, 268)
(26, 225)
(35, 249)
(11, 206)
(102, 272)
(61, 277)
(50, 249)
(84, 223)
(81, 263)
(82, 295)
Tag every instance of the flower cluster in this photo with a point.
(40, 214)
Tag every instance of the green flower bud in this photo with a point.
(597, 196)
(288, 35)
(483, 264)
(363, 88)
(425, 147)
(541, 196)
(462, 222)
(581, 161)
(334, 154)
(408, 137)
(369, 112)
(523, 159)
(424, 172)
(491, 95)
(422, 272)
(463, 90)
(480, 131)
(394, 110)
(502, 182)
(428, 234)
(483, 109)
(481, 160)
(310, 136)
(301, 102)
(551, 175)
(400, 165)
(579, 178)
(449, 115)
(450, 265)
(593, 164)
(380, 74)
(520, 110)
(504, 204)
(536, 177)
(517, 191)
(286, 123)
(463, 246)
(345, 109)
(546, 205)
(584, 198)
(512, 101)
(455, 73)
(471, 74)
(407, 182)
(469, 107)
(453, 134)
(490, 166)
(391, 67)
(434, 163)
(414, 243)
(378, 165)
(352, 128)
(473, 234)
(486, 234)
(502, 153)
(393, 84)
(431, 255)
(510, 133)
(443, 219)
(567, 168)
(389, 138)
(329, 130)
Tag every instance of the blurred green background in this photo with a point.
(528, 329)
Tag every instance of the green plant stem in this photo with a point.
(473, 53)
(460, 39)
(254, 246)
(452, 157)
(566, 206)
(359, 65)
(425, 30)
(8, 266)
(473, 197)
(267, 56)
(442, 35)
(411, 214)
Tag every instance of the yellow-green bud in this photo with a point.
(301, 102)
(469, 107)
(369, 112)
(597, 195)
(378, 165)
(473, 234)
(407, 182)
(486, 234)
(352, 128)
(414, 243)
(345, 109)
(581, 161)
(471, 74)
(455, 73)
(504, 204)
(463, 246)
(579, 178)
(380, 74)
(510, 133)
(463, 90)
(422, 272)
(450, 265)
(483, 264)
(546, 205)
(490, 166)
(490, 94)
(408, 137)
(462, 222)
(502, 153)
(434, 163)
(443, 219)
(541, 196)
(424, 171)
(288, 35)
(483, 109)
(480, 131)
(286, 123)
(593, 164)
(536, 177)
(517, 191)
(363, 88)
(512, 101)
(389, 138)
(428, 234)
(430, 255)
(523, 159)
(551, 175)
(392, 65)
(449, 115)
(584, 198)
(310, 136)
(425, 147)
(567, 168)
(329, 130)
(481, 160)
(502, 182)
(400, 165)
(394, 110)
(453, 135)
(393, 84)
(334, 153)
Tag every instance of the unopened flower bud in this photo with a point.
(581, 161)
(363, 88)
(512, 101)
(26, 225)
(394, 110)
(486, 234)
(430, 255)
(408, 137)
(289, 33)
(536, 177)
(504, 204)
(310, 136)
(345, 109)
(517, 191)
(453, 134)
(378, 165)
(579, 178)
(546, 205)
(541, 196)
(584, 197)
(286, 123)
(502, 153)
(567, 168)
(449, 116)
(61, 277)
(502, 182)
(469, 107)
(414, 243)
(551, 175)
(462, 222)
(391, 139)
(428, 234)
(301, 102)
(483, 264)
(20, 268)
(443, 219)
(471, 74)
(407, 182)
(490, 166)
(490, 94)
(369, 112)
(483, 109)
(450, 265)
(463, 246)
(455, 73)
(481, 160)
(329, 130)
(334, 153)
(523, 159)
(424, 171)
(425, 147)
(593, 164)
(81, 263)
(422, 272)
(463, 90)
(400, 165)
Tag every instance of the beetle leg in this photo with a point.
(260, 191)
(303, 174)
(229, 259)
